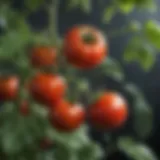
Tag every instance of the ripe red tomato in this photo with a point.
(67, 117)
(8, 88)
(24, 108)
(43, 56)
(85, 47)
(47, 88)
(109, 111)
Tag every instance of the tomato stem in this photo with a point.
(89, 38)
(53, 20)
(23, 72)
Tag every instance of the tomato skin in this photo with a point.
(43, 56)
(8, 88)
(109, 111)
(66, 117)
(24, 108)
(47, 88)
(81, 54)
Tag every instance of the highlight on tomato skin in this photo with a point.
(9, 88)
(67, 117)
(85, 47)
(43, 56)
(109, 111)
(47, 88)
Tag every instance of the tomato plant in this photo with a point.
(109, 111)
(47, 88)
(85, 47)
(58, 131)
(65, 116)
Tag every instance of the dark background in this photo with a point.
(148, 82)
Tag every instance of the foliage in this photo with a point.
(20, 135)
(142, 113)
(135, 150)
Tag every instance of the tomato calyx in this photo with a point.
(97, 96)
(89, 38)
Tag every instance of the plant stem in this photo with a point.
(53, 20)
(23, 76)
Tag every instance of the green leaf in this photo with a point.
(142, 112)
(133, 90)
(33, 4)
(9, 48)
(112, 68)
(141, 52)
(90, 152)
(150, 5)
(126, 6)
(108, 14)
(14, 48)
(63, 153)
(152, 32)
(143, 118)
(147, 57)
(73, 4)
(76, 146)
(130, 52)
(73, 140)
(10, 135)
(135, 150)
(8, 142)
(86, 5)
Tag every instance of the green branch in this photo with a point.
(53, 21)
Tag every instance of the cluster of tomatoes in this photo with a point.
(84, 47)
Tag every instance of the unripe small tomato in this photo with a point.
(66, 117)
(43, 56)
(45, 143)
(85, 47)
(47, 88)
(24, 108)
(109, 111)
(8, 88)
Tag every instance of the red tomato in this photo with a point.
(85, 47)
(109, 111)
(24, 108)
(47, 88)
(8, 88)
(43, 56)
(67, 117)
